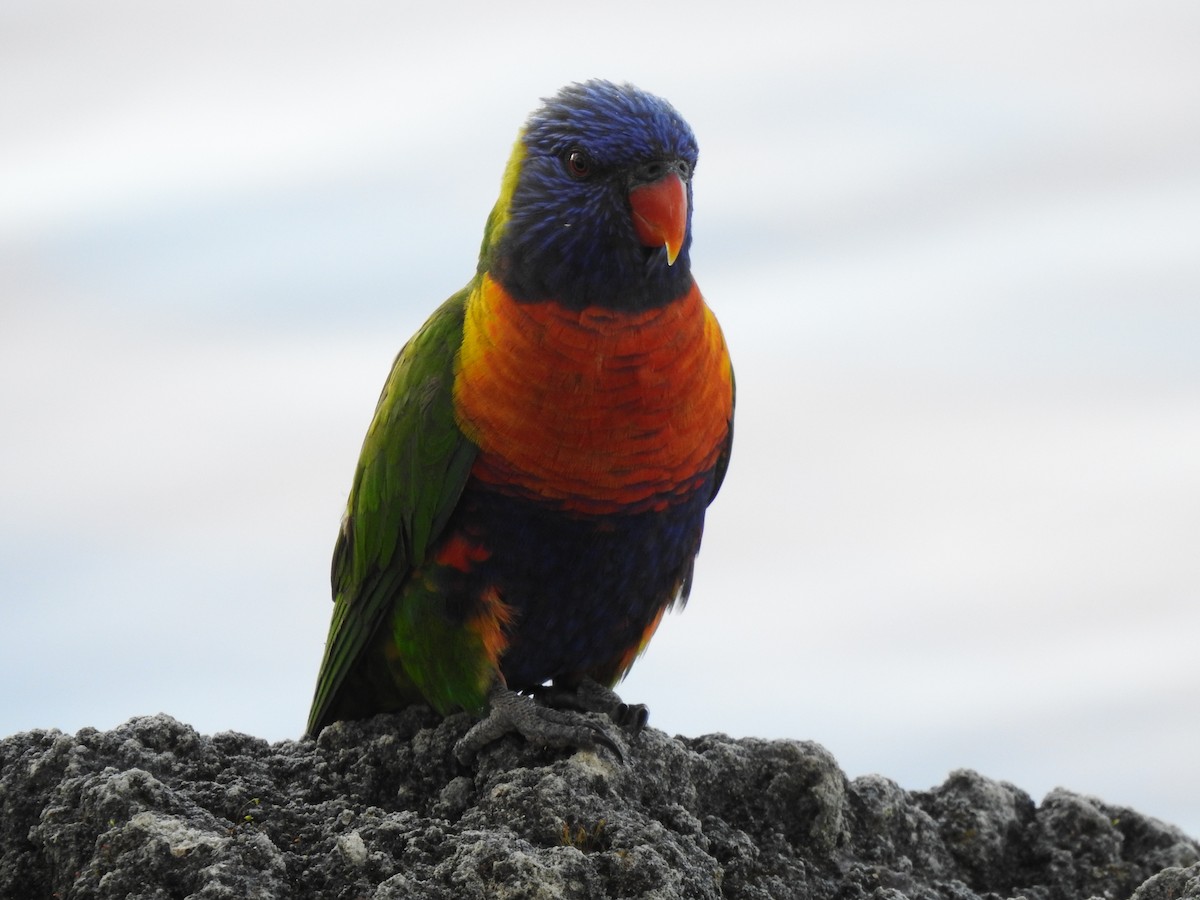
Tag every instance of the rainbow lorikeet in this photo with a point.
(532, 489)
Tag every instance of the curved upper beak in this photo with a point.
(660, 213)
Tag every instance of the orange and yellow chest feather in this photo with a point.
(595, 410)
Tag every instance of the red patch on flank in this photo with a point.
(490, 625)
(595, 409)
(459, 553)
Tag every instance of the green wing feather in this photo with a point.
(727, 449)
(415, 461)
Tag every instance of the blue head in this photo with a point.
(565, 228)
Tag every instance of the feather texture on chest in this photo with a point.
(596, 410)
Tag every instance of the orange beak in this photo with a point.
(660, 214)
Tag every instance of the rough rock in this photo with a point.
(380, 809)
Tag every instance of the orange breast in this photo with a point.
(596, 410)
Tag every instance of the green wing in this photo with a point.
(414, 464)
(723, 458)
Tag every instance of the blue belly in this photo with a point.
(583, 589)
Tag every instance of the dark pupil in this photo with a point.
(578, 163)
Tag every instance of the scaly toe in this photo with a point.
(510, 711)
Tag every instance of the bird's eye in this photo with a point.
(579, 164)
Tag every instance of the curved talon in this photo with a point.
(604, 740)
(591, 696)
(631, 716)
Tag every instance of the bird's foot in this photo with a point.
(590, 695)
(509, 711)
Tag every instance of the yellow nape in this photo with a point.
(498, 218)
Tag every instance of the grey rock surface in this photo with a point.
(379, 809)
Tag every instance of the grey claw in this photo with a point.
(592, 696)
(509, 711)
(602, 739)
(631, 716)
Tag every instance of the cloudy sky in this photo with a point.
(955, 249)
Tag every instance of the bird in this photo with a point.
(532, 489)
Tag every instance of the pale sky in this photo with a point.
(955, 249)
